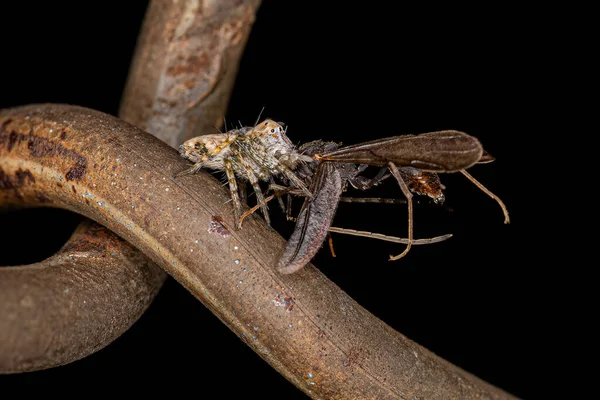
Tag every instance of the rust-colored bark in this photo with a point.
(185, 66)
(308, 329)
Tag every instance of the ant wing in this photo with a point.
(314, 219)
(486, 158)
(443, 151)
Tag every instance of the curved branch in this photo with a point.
(170, 88)
(75, 302)
(308, 329)
(185, 66)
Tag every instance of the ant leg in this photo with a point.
(280, 190)
(380, 200)
(377, 179)
(281, 204)
(237, 205)
(279, 199)
(380, 177)
(288, 209)
(408, 195)
(486, 191)
(363, 183)
(289, 190)
(331, 249)
(387, 238)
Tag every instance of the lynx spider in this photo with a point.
(252, 154)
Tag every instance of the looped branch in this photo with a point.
(120, 176)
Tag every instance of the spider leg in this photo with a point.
(260, 198)
(288, 191)
(279, 191)
(190, 171)
(233, 188)
(288, 173)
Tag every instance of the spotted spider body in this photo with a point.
(250, 153)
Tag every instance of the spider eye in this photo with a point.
(197, 145)
(272, 130)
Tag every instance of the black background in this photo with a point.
(350, 74)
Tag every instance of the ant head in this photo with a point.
(439, 198)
